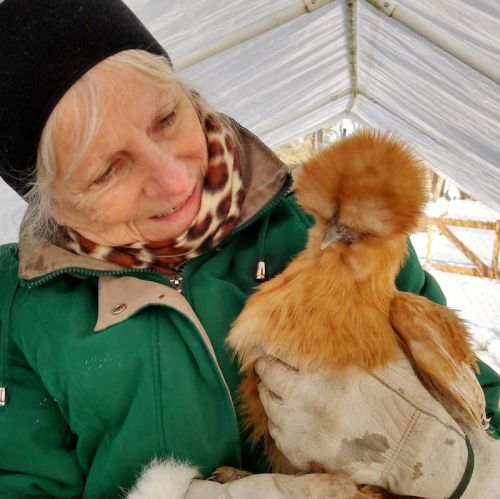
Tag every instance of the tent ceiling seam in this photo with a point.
(304, 112)
(409, 123)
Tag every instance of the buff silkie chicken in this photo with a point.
(336, 306)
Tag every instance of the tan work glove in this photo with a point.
(381, 429)
(173, 480)
(275, 486)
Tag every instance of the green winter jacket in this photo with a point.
(107, 368)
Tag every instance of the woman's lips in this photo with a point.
(179, 210)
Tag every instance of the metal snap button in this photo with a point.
(118, 309)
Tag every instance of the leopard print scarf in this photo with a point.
(221, 201)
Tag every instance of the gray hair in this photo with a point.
(38, 223)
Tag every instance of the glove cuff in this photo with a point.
(168, 479)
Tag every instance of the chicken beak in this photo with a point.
(338, 233)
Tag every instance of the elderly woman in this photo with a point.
(148, 213)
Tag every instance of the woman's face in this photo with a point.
(141, 179)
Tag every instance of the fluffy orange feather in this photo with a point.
(338, 307)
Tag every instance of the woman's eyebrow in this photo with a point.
(154, 117)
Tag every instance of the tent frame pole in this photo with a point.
(251, 31)
(438, 37)
(352, 37)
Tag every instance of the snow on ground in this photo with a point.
(476, 299)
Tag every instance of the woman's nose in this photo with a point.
(164, 174)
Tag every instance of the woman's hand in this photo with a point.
(381, 428)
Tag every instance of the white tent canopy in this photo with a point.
(430, 74)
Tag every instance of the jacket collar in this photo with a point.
(263, 176)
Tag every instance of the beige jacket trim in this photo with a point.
(122, 297)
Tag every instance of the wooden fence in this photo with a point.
(479, 268)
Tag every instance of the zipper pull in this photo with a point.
(260, 273)
(176, 282)
(3, 396)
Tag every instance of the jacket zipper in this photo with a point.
(88, 273)
(177, 280)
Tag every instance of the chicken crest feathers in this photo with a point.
(373, 182)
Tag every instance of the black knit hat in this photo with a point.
(45, 46)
